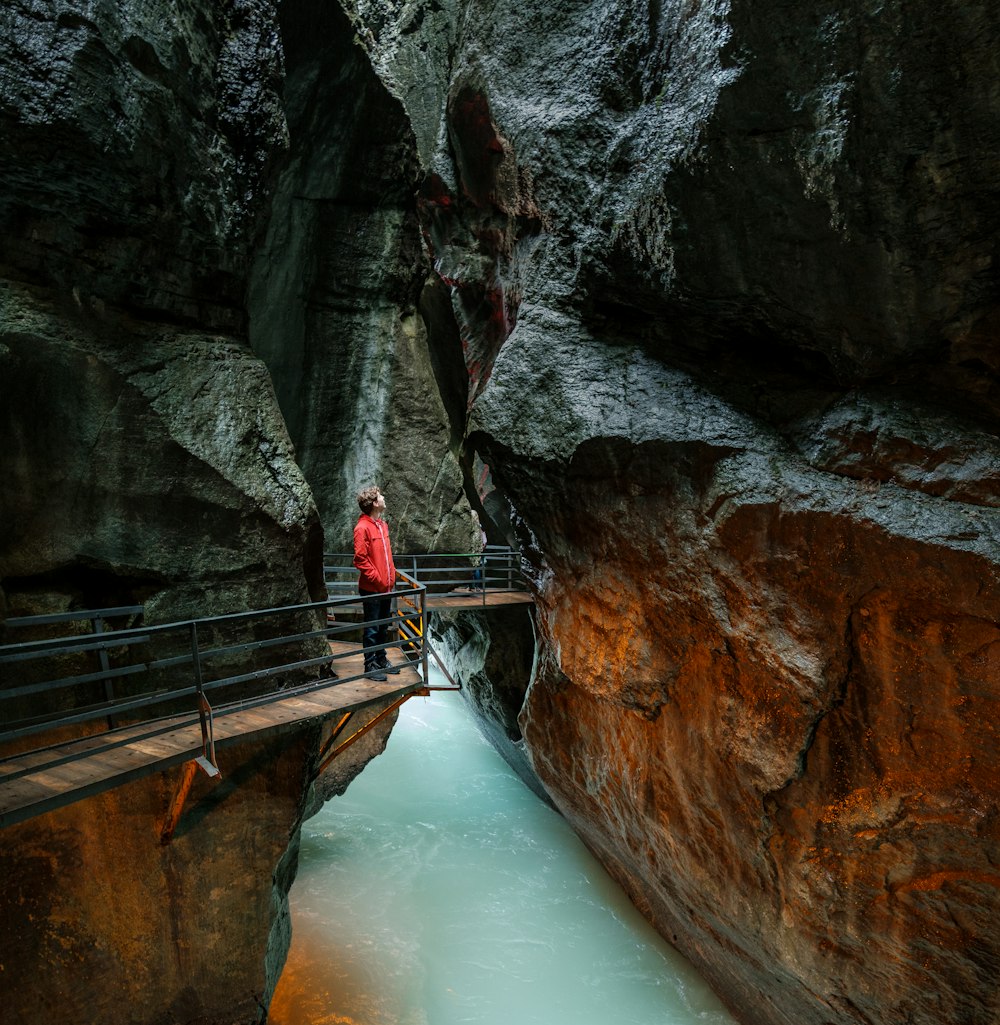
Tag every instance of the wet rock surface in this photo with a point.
(146, 464)
(336, 294)
(783, 733)
(740, 392)
(107, 924)
(145, 461)
(136, 146)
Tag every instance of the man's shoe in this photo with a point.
(374, 672)
(386, 666)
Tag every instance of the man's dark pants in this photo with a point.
(376, 606)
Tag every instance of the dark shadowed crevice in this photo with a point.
(83, 585)
(477, 146)
(340, 264)
(445, 347)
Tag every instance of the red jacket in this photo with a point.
(373, 555)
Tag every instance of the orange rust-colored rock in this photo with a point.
(777, 726)
(102, 923)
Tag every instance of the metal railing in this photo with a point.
(148, 672)
(155, 673)
(494, 570)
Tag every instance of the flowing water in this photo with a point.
(439, 890)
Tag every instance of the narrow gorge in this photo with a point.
(693, 302)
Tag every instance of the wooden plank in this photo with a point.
(252, 718)
(474, 600)
(169, 744)
(48, 782)
(91, 742)
(310, 709)
(74, 776)
(23, 793)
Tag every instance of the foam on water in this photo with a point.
(439, 890)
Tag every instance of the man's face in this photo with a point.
(379, 503)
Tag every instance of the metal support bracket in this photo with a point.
(334, 733)
(206, 760)
(176, 808)
(444, 669)
(358, 734)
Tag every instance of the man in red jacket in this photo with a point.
(376, 580)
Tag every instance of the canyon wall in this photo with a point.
(144, 460)
(104, 922)
(144, 457)
(336, 294)
(724, 277)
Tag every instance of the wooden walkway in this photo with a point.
(472, 600)
(39, 781)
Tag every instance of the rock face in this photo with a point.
(783, 739)
(118, 928)
(335, 300)
(144, 457)
(724, 278)
(144, 460)
(110, 925)
(147, 464)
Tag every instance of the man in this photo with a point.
(376, 580)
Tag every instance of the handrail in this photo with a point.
(494, 569)
(74, 617)
(190, 646)
(181, 662)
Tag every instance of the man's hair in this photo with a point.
(367, 498)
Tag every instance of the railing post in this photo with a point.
(97, 627)
(423, 635)
(196, 659)
(207, 760)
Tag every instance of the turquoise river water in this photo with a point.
(439, 890)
